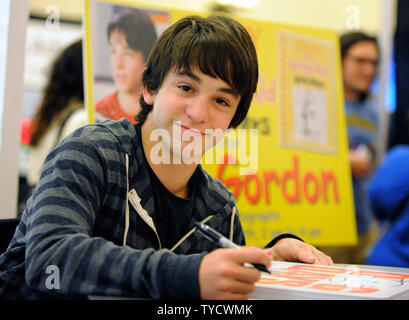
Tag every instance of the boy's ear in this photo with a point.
(147, 95)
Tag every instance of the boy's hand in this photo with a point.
(222, 274)
(289, 249)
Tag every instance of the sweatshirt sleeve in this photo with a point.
(60, 219)
(238, 234)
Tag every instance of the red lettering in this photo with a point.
(328, 287)
(294, 283)
(313, 187)
(234, 182)
(291, 175)
(313, 268)
(269, 176)
(253, 198)
(327, 178)
(300, 275)
(290, 283)
(384, 275)
(309, 177)
(363, 290)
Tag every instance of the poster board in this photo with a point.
(287, 162)
(302, 183)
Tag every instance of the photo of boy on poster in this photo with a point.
(126, 36)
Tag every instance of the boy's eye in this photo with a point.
(222, 101)
(185, 88)
(129, 53)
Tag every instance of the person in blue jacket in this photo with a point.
(389, 193)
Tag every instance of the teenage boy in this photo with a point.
(106, 220)
(131, 36)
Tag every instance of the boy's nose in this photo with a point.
(199, 110)
(119, 61)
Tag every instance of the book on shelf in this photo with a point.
(290, 280)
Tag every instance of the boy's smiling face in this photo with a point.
(191, 102)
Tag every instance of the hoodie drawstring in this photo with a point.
(127, 198)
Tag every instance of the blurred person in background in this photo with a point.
(131, 36)
(61, 111)
(360, 56)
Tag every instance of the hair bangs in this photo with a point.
(210, 55)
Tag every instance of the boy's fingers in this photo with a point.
(252, 254)
(322, 258)
(314, 256)
(236, 286)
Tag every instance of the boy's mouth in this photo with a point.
(188, 130)
(120, 78)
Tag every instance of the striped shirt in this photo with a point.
(363, 129)
(90, 219)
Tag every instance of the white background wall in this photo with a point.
(12, 98)
(318, 13)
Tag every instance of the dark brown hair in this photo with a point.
(65, 84)
(348, 39)
(218, 45)
(137, 27)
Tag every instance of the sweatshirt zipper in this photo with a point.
(136, 203)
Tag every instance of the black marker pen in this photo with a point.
(223, 242)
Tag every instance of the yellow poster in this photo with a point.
(287, 162)
(292, 174)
